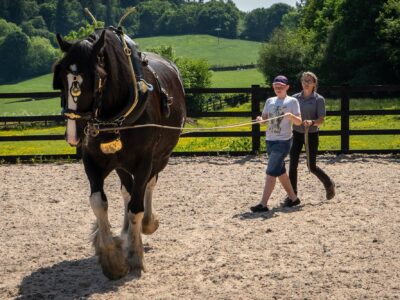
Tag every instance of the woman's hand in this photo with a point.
(308, 123)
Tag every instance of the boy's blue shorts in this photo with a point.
(277, 151)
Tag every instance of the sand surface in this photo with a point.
(209, 245)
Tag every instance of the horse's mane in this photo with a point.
(116, 94)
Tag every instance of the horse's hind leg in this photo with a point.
(108, 248)
(150, 220)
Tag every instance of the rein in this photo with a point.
(92, 131)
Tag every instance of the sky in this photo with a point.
(248, 5)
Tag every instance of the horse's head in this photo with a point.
(81, 76)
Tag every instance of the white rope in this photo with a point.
(194, 129)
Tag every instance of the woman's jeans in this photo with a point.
(298, 142)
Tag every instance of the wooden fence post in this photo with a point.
(345, 120)
(79, 153)
(256, 96)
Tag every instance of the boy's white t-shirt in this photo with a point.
(280, 129)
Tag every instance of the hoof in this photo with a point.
(112, 260)
(136, 263)
(150, 225)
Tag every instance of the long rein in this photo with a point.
(98, 130)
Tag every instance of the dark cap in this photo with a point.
(280, 79)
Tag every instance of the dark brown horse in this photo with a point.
(100, 95)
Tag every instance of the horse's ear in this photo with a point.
(57, 81)
(98, 46)
(64, 45)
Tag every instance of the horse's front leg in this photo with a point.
(150, 220)
(108, 248)
(134, 245)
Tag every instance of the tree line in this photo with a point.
(28, 27)
(352, 42)
(343, 41)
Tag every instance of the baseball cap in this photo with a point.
(280, 79)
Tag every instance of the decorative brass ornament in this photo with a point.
(75, 89)
(72, 116)
(111, 147)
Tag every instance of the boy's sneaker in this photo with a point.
(259, 208)
(290, 203)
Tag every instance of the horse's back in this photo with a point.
(169, 79)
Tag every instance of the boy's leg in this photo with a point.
(268, 188)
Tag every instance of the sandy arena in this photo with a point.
(208, 246)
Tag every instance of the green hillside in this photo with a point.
(239, 78)
(226, 52)
(38, 84)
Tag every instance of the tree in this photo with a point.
(40, 57)
(261, 22)
(150, 13)
(48, 11)
(195, 74)
(6, 28)
(389, 33)
(22, 10)
(12, 56)
(286, 53)
(218, 14)
(353, 53)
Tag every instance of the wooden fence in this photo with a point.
(257, 94)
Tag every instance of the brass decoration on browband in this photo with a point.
(75, 89)
(111, 147)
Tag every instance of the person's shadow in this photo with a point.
(268, 214)
(71, 279)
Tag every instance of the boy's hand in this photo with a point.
(259, 119)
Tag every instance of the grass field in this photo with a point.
(218, 52)
(230, 144)
(239, 78)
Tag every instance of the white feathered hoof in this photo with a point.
(150, 225)
(111, 258)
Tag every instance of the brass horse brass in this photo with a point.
(75, 89)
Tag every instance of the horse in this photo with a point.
(118, 128)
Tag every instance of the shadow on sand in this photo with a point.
(269, 214)
(73, 279)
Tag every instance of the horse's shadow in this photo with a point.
(72, 279)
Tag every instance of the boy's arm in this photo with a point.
(295, 117)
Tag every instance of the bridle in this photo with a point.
(94, 121)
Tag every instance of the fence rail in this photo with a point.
(257, 95)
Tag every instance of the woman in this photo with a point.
(312, 107)
(282, 111)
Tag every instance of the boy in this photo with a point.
(279, 140)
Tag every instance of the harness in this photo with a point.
(94, 121)
(100, 80)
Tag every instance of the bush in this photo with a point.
(195, 74)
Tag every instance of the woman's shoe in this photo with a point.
(259, 208)
(290, 203)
